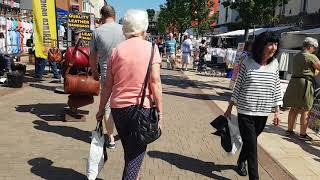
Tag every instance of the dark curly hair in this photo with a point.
(261, 41)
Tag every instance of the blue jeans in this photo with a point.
(54, 69)
(40, 65)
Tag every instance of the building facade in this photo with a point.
(303, 14)
(70, 4)
(226, 14)
(297, 7)
(93, 6)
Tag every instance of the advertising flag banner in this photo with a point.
(45, 26)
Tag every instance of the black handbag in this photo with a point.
(221, 125)
(15, 79)
(146, 129)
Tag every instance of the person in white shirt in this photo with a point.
(186, 52)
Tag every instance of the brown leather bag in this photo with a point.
(81, 84)
(55, 54)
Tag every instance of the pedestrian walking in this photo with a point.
(299, 94)
(170, 51)
(160, 44)
(104, 39)
(256, 93)
(186, 52)
(203, 50)
(127, 69)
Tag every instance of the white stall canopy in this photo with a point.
(256, 31)
(294, 39)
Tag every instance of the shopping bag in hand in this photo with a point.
(97, 155)
(235, 136)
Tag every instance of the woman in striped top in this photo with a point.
(256, 93)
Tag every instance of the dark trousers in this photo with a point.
(250, 128)
(40, 65)
(133, 151)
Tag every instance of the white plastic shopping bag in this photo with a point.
(97, 154)
(235, 136)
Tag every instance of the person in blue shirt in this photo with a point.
(170, 51)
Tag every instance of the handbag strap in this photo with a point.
(146, 79)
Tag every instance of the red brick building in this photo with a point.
(69, 4)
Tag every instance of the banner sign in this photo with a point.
(79, 20)
(45, 26)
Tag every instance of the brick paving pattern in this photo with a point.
(36, 144)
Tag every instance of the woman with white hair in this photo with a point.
(300, 93)
(127, 69)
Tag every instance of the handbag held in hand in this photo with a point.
(98, 154)
(146, 130)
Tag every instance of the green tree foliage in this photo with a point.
(151, 13)
(202, 15)
(176, 16)
(255, 12)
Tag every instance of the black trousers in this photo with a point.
(133, 151)
(250, 128)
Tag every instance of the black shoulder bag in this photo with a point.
(146, 130)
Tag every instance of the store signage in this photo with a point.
(79, 20)
(86, 36)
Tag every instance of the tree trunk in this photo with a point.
(246, 33)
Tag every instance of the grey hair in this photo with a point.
(135, 21)
(309, 41)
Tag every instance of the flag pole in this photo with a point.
(55, 12)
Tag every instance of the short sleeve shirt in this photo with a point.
(129, 63)
(186, 46)
(303, 64)
(171, 46)
(104, 39)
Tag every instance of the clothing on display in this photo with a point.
(2, 43)
(16, 33)
(230, 56)
(283, 61)
(61, 31)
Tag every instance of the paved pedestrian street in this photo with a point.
(36, 144)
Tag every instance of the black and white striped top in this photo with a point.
(257, 88)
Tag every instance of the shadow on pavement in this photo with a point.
(198, 96)
(191, 164)
(44, 87)
(65, 131)
(306, 146)
(47, 112)
(44, 168)
(29, 79)
(184, 83)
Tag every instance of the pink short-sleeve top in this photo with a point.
(128, 64)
